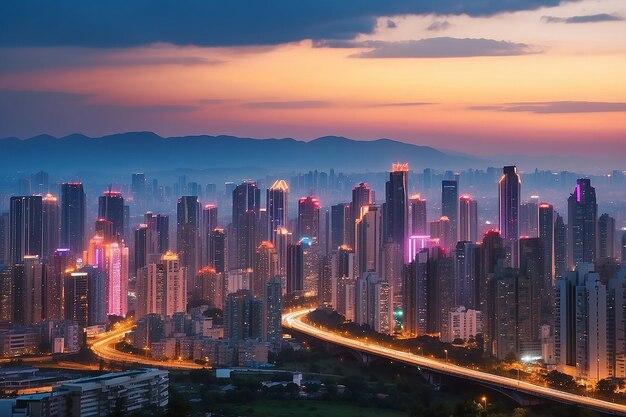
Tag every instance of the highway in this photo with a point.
(293, 320)
(104, 347)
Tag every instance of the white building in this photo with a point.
(464, 325)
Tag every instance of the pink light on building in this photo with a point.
(417, 243)
(117, 287)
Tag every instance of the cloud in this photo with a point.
(403, 104)
(439, 25)
(391, 24)
(124, 23)
(304, 104)
(16, 59)
(594, 18)
(443, 47)
(556, 107)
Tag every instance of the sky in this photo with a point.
(484, 77)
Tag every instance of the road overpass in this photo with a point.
(294, 320)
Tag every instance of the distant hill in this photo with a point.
(146, 151)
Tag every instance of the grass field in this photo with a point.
(305, 408)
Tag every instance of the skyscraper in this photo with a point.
(50, 216)
(546, 234)
(606, 236)
(246, 206)
(340, 218)
(509, 194)
(138, 187)
(217, 256)
(117, 280)
(418, 216)
(277, 207)
(466, 285)
(368, 236)
(295, 268)
(188, 236)
(582, 218)
(161, 288)
(362, 196)
(529, 217)
(25, 227)
(468, 220)
(209, 223)
(396, 208)
(309, 219)
(265, 267)
(73, 209)
(242, 316)
(160, 226)
(560, 246)
(273, 308)
(111, 208)
(450, 206)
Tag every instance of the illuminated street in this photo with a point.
(293, 320)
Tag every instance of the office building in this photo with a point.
(468, 219)
(188, 212)
(417, 210)
(25, 227)
(450, 207)
(582, 221)
(309, 219)
(246, 208)
(111, 208)
(277, 206)
(73, 212)
(509, 195)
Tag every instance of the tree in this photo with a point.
(467, 409)
(559, 380)
(609, 385)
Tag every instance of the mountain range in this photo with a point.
(149, 152)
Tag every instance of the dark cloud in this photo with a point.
(593, 18)
(555, 107)
(304, 104)
(123, 23)
(404, 104)
(391, 24)
(444, 47)
(16, 59)
(439, 25)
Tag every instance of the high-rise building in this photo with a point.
(242, 316)
(492, 253)
(415, 291)
(418, 216)
(546, 234)
(265, 267)
(210, 287)
(362, 196)
(560, 246)
(581, 345)
(111, 208)
(217, 256)
(117, 280)
(272, 312)
(606, 236)
(145, 246)
(533, 269)
(63, 261)
(209, 223)
(529, 217)
(162, 287)
(277, 207)
(468, 219)
(450, 207)
(441, 229)
(160, 225)
(340, 218)
(368, 236)
(73, 212)
(50, 221)
(138, 187)
(466, 285)
(373, 303)
(623, 246)
(188, 236)
(309, 219)
(295, 268)
(396, 208)
(246, 207)
(26, 227)
(282, 239)
(33, 294)
(582, 218)
(509, 195)
(4, 239)
(77, 293)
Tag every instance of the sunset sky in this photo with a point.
(473, 76)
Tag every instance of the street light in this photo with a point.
(446, 352)
(484, 400)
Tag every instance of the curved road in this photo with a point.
(104, 347)
(293, 320)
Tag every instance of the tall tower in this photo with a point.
(73, 209)
(582, 218)
(450, 206)
(188, 236)
(209, 223)
(606, 236)
(396, 209)
(309, 219)
(246, 207)
(277, 208)
(265, 267)
(217, 256)
(295, 268)
(509, 193)
(362, 196)
(50, 216)
(111, 208)
(418, 216)
(340, 218)
(368, 236)
(468, 219)
(546, 234)
(25, 227)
